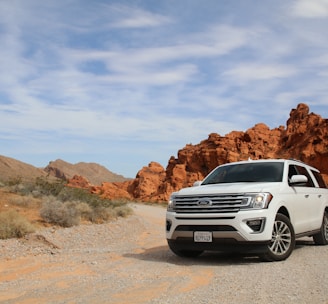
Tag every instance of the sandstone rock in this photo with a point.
(145, 186)
(78, 181)
(116, 190)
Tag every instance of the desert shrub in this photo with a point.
(84, 210)
(70, 213)
(47, 188)
(24, 201)
(123, 211)
(63, 214)
(13, 225)
(102, 214)
(14, 181)
(76, 194)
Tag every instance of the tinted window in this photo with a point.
(248, 172)
(319, 179)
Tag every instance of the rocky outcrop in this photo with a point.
(148, 180)
(79, 182)
(113, 190)
(305, 138)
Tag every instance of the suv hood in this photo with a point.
(228, 188)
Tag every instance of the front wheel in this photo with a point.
(283, 240)
(321, 238)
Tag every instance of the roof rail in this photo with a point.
(299, 161)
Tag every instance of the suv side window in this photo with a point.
(295, 170)
(319, 179)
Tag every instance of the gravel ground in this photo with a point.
(128, 261)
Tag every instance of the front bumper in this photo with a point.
(226, 228)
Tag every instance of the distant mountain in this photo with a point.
(11, 168)
(96, 174)
(93, 172)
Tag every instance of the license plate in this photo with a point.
(203, 236)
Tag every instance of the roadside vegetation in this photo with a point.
(14, 225)
(57, 204)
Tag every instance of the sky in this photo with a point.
(123, 83)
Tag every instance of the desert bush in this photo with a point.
(105, 214)
(13, 225)
(14, 181)
(123, 211)
(56, 212)
(24, 201)
(72, 194)
(102, 214)
(49, 188)
(84, 210)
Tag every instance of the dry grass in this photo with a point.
(14, 225)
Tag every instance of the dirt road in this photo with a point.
(128, 261)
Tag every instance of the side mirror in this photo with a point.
(298, 180)
(197, 183)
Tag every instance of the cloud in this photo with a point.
(245, 73)
(310, 9)
(130, 17)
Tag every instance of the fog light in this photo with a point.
(257, 225)
(168, 225)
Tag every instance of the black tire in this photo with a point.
(183, 252)
(283, 240)
(321, 238)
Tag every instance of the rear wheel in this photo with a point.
(321, 238)
(185, 253)
(283, 240)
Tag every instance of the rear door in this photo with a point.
(304, 201)
(322, 197)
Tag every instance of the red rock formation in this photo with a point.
(305, 138)
(147, 182)
(113, 190)
(78, 181)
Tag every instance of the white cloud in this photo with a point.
(244, 73)
(137, 18)
(310, 8)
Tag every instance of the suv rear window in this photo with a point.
(319, 179)
(248, 172)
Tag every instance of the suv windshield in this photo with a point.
(248, 172)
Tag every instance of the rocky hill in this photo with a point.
(305, 138)
(93, 172)
(11, 169)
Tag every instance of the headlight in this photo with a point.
(260, 200)
(170, 205)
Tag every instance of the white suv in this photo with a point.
(258, 206)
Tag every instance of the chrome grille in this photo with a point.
(222, 203)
